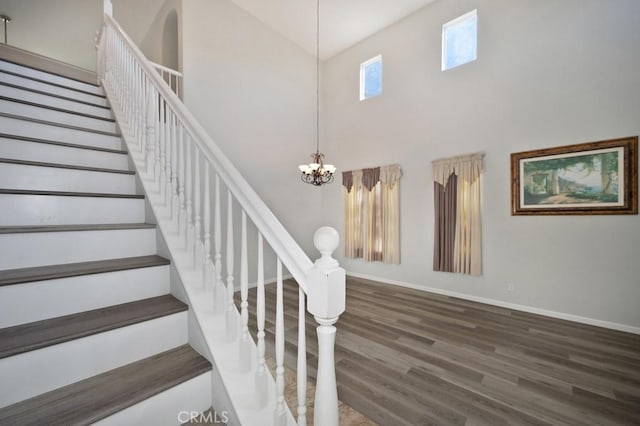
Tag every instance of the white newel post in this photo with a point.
(326, 299)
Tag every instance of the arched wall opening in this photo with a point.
(170, 41)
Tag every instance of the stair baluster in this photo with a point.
(189, 235)
(139, 104)
(157, 138)
(129, 76)
(173, 190)
(124, 83)
(150, 130)
(169, 159)
(182, 217)
(207, 266)
(163, 152)
(230, 320)
(244, 342)
(220, 294)
(261, 370)
(197, 225)
(279, 415)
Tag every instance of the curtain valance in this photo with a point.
(369, 178)
(467, 167)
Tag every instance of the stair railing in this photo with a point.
(172, 77)
(185, 176)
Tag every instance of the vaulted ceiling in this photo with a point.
(343, 23)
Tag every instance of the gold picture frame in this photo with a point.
(588, 178)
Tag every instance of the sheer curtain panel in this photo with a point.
(371, 214)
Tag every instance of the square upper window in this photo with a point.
(371, 78)
(460, 40)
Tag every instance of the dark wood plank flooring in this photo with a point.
(407, 357)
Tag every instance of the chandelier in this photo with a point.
(317, 173)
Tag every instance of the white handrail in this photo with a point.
(165, 69)
(286, 248)
(173, 79)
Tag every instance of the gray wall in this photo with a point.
(548, 73)
(149, 23)
(63, 29)
(66, 29)
(254, 92)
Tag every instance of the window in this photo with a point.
(371, 78)
(460, 40)
(457, 202)
(371, 214)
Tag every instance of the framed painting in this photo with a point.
(588, 178)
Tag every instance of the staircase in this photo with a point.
(89, 330)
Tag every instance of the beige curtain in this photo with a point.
(467, 237)
(353, 236)
(372, 217)
(390, 202)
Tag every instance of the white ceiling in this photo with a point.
(343, 23)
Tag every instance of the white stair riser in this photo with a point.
(69, 119)
(32, 373)
(23, 250)
(30, 129)
(21, 176)
(24, 210)
(168, 408)
(53, 101)
(64, 296)
(54, 90)
(34, 151)
(42, 75)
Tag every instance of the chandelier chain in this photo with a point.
(317, 75)
(317, 173)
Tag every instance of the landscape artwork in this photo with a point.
(592, 178)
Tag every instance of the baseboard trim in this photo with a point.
(502, 304)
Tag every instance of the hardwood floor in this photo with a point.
(406, 357)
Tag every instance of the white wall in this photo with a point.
(549, 73)
(145, 22)
(254, 92)
(62, 29)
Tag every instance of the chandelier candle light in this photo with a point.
(317, 173)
